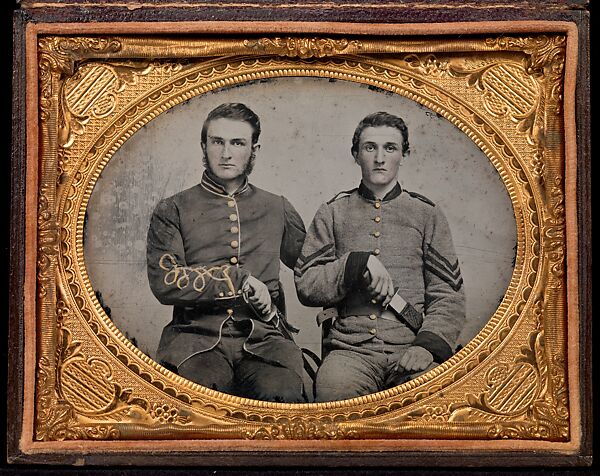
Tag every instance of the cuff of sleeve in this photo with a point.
(438, 347)
(245, 275)
(356, 264)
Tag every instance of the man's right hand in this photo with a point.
(258, 295)
(381, 285)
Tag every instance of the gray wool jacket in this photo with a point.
(411, 237)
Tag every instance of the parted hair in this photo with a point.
(381, 119)
(236, 112)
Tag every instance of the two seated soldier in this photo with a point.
(379, 258)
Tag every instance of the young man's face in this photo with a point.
(228, 148)
(379, 155)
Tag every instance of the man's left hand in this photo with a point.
(415, 359)
(258, 295)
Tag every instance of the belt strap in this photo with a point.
(408, 316)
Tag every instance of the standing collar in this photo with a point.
(213, 186)
(365, 192)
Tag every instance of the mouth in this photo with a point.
(379, 169)
(226, 166)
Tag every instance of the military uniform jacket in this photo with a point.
(411, 237)
(202, 246)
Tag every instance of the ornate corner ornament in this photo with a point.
(505, 93)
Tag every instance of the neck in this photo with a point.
(380, 191)
(230, 186)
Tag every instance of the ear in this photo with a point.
(355, 155)
(203, 145)
(255, 148)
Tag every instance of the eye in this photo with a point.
(391, 148)
(216, 141)
(369, 147)
(238, 142)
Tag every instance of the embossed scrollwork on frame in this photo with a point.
(300, 429)
(524, 399)
(507, 87)
(545, 58)
(527, 89)
(93, 91)
(303, 47)
(104, 388)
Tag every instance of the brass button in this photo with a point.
(231, 204)
(377, 219)
(233, 260)
(376, 234)
(230, 312)
(230, 293)
(221, 294)
(234, 244)
(233, 217)
(239, 291)
(373, 301)
(377, 204)
(372, 317)
(234, 229)
(376, 251)
(373, 331)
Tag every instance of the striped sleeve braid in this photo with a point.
(320, 273)
(444, 310)
(449, 272)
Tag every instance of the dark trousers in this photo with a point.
(229, 368)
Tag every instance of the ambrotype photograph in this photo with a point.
(299, 240)
(268, 239)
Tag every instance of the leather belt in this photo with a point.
(368, 309)
(237, 305)
(360, 305)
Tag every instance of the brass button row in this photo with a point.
(229, 293)
(377, 233)
(234, 229)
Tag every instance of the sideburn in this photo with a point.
(247, 170)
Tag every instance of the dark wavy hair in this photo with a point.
(235, 111)
(381, 119)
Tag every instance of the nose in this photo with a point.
(226, 154)
(380, 156)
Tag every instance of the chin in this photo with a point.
(378, 180)
(228, 174)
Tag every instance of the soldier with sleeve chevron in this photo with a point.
(383, 258)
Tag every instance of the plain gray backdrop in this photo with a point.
(307, 127)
